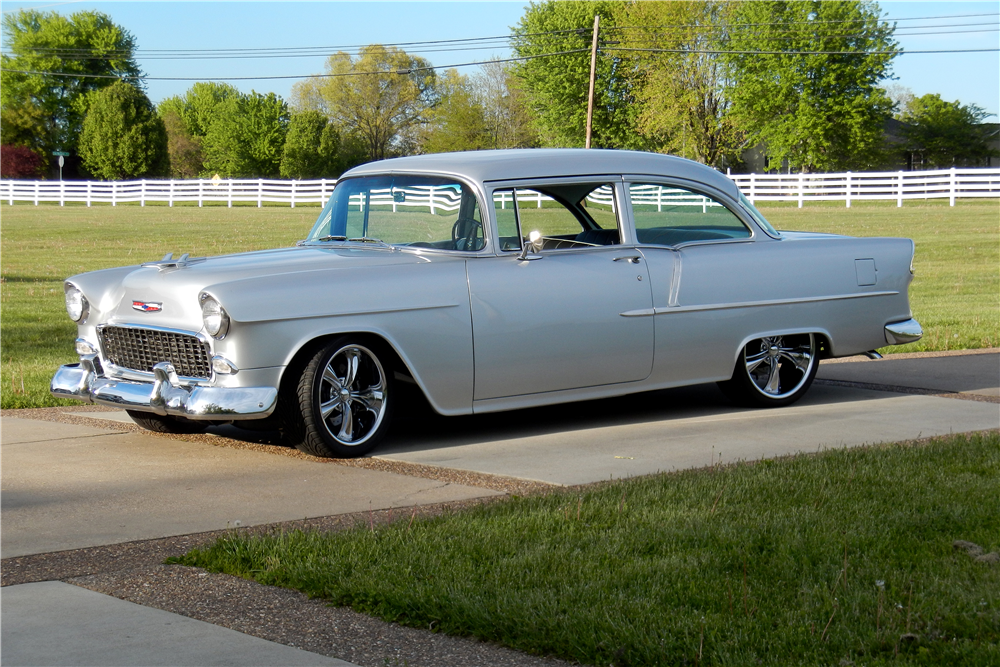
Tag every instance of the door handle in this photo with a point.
(633, 259)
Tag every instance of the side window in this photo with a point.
(669, 215)
(566, 216)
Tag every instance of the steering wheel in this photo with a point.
(467, 234)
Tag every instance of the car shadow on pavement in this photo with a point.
(417, 426)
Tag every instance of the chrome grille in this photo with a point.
(141, 349)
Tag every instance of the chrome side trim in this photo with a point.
(164, 395)
(769, 302)
(644, 312)
(900, 333)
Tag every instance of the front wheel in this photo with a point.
(345, 398)
(773, 371)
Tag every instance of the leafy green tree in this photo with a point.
(122, 137)
(944, 134)
(679, 79)
(818, 111)
(458, 122)
(186, 155)
(246, 136)
(46, 111)
(509, 123)
(557, 86)
(381, 97)
(312, 148)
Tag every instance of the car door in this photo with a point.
(572, 312)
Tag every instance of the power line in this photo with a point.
(405, 71)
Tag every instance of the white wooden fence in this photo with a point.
(948, 184)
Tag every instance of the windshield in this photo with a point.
(415, 211)
(759, 217)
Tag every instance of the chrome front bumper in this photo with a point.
(900, 333)
(164, 395)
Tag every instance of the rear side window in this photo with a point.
(670, 215)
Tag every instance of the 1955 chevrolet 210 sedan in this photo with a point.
(493, 280)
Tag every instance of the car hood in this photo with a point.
(166, 293)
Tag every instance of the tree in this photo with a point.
(381, 96)
(312, 148)
(944, 133)
(679, 79)
(188, 119)
(122, 137)
(246, 136)
(819, 111)
(46, 111)
(557, 86)
(184, 149)
(508, 121)
(458, 122)
(20, 162)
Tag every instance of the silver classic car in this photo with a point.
(493, 280)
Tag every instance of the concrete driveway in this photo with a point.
(70, 486)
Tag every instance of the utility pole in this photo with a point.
(593, 75)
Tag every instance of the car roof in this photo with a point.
(525, 163)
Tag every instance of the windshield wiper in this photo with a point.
(332, 238)
(366, 239)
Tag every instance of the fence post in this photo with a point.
(801, 184)
(848, 189)
(229, 192)
(142, 193)
(62, 193)
(260, 192)
(200, 184)
(899, 198)
(430, 198)
(659, 199)
(293, 197)
(89, 186)
(114, 193)
(753, 195)
(36, 193)
(170, 194)
(952, 184)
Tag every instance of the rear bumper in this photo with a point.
(900, 333)
(163, 396)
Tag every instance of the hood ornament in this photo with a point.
(168, 263)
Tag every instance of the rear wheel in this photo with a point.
(773, 371)
(166, 423)
(345, 396)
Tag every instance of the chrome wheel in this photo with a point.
(774, 370)
(344, 397)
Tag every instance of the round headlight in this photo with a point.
(77, 305)
(215, 317)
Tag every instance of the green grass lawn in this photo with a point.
(956, 293)
(845, 557)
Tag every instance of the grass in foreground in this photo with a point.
(955, 296)
(815, 559)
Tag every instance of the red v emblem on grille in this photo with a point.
(147, 306)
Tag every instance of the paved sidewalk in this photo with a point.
(51, 623)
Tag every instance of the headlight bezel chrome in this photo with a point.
(214, 317)
(77, 304)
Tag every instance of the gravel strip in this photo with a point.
(962, 396)
(289, 617)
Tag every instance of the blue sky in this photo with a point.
(967, 77)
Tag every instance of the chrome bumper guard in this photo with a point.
(901, 333)
(163, 395)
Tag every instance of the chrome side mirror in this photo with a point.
(534, 244)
